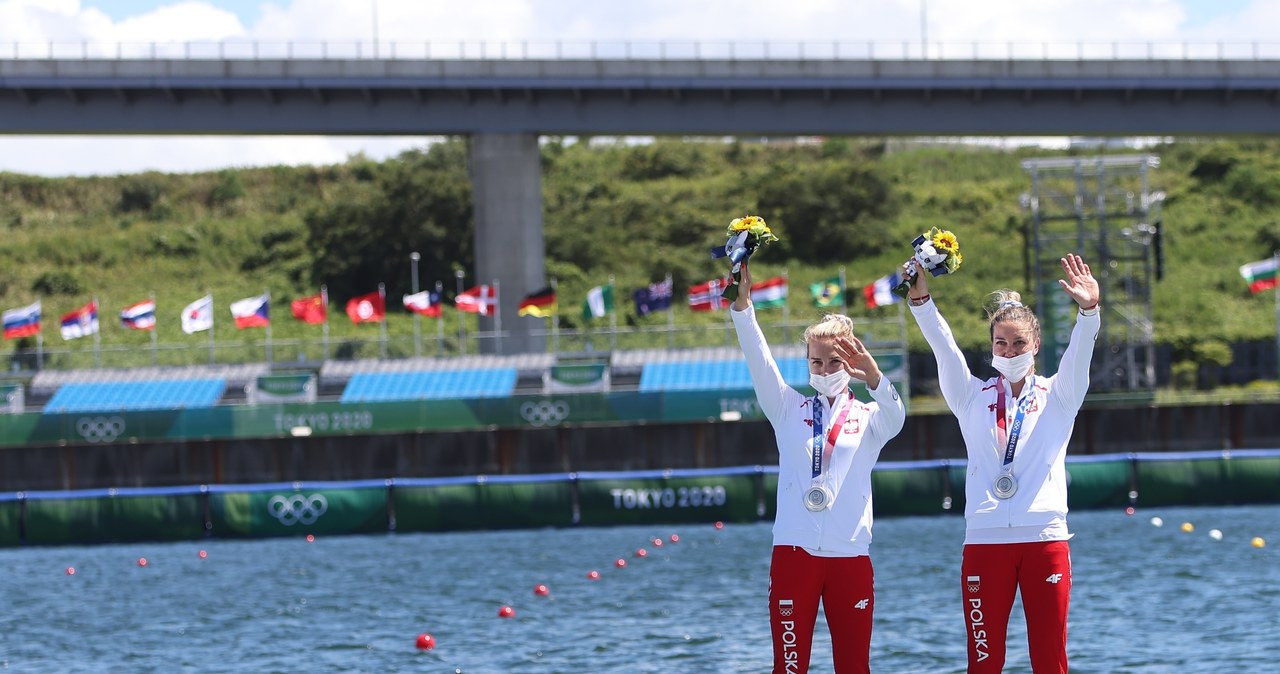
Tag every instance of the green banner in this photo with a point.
(115, 519)
(1098, 484)
(464, 507)
(909, 491)
(9, 517)
(672, 500)
(12, 399)
(279, 388)
(288, 512)
(577, 377)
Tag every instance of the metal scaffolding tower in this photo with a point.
(1103, 209)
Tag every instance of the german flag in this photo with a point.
(539, 304)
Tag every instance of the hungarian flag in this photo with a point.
(482, 299)
(1260, 275)
(769, 293)
(370, 308)
(539, 304)
(252, 312)
(22, 322)
(426, 303)
(879, 292)
(599, 302)
(706, 296)
(311, 309)
(827, 293)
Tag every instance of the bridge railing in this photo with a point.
(661, 50)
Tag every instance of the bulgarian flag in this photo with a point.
(769, 293)
(1261, 275)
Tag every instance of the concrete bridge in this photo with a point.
(504, 105)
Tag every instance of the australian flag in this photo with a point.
(657, 297)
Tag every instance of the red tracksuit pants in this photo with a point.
(990, 575)
(845, 586)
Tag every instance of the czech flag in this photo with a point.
(251, 312)
(81, 322)
(426, 303)
(140, 316)
(22, 322)
(370, 308)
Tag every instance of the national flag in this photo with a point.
(598, 303)
(311, 309)
(482, 299)
(198, 316)
(140, 316)
(81, 322)
(769, 292)
(706, 296)
(1260, 275)
(252, 312)
(370, 308)
(657, 297)
(426, 303)
(827, 293)
(879, 292)
(539, 304)
(22, 322)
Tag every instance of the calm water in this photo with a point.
(1146, 599)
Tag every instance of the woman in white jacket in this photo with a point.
(827, 445)
(1015, 427)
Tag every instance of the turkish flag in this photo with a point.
(369, 308)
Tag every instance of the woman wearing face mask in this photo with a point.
(827, 445)
(1015, 428)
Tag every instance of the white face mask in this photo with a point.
(1016, 368)
(830, 385)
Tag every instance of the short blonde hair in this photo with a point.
(1005, 306)
(831, 326)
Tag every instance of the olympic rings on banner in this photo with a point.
(297, 509)
(545, 412)
(100, 429)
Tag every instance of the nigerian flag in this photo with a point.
(598, 303)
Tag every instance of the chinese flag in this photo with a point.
(369, 308)
(309, 309)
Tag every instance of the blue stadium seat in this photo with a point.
(430, 385)
(136, 395)
(714, 375)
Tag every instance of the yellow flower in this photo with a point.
(756, 225)
(946, 241)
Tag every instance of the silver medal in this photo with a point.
(1005, 486)
(817, 498)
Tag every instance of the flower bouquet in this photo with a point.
(745, 235)
(938, 251)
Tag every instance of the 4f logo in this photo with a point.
(1053, 578)
(862, 605)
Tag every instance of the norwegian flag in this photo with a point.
(482, 299)
(706, 296)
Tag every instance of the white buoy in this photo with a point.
(1215, 534)
(1157, 522)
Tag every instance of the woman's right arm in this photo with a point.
(771, 389)
(954, 377)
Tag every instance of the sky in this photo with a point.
(818, 21)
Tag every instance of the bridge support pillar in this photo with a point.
(506, 179)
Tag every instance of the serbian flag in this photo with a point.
(482, 299)
(81, 322)
(879, 292)
(539, 304)
(769, 293)
(371, 308)
(22, 322)
(426, 303)
(706, 296)
(312, 308)
(252, 312)
(140, 316)
(1260, 275)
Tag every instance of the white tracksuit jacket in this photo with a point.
(1038, 510)
(844, 530)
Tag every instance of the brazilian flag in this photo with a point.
(828, 293)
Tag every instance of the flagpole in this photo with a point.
(155, 327)
(1276, 292)
(382, 324)
(211, 325)
(324, 299)
(555, 318)
(613, 319)
(497, 319)
(39, 350)
(413, 267)
(671, 313)
(97, 336)
(266, 293)
(844, 301)
(462, 329)
(786, 309)
(440, 318)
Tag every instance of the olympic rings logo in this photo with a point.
(545, 412)
(100, 429)
(297, 509)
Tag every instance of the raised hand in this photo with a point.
(743, 300)
(1079, 284)
(858, 361)
(919, 284)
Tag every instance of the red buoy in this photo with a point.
(541, 590)
(426, 642)
(675, 538)
(621, 563)
(1129, 510)
(593, 575)
(657, 542)
(719, 525)
(311, 538)
(71, 570)
(642, 553)
(142, 561)
(506, 612)
(202, 554)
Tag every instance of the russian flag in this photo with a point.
(140, 316)
(880, 291)
(22, 322)
(251, 312)
(81, 322)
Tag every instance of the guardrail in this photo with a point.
(661, 50)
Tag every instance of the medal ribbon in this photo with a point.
(1016, 429)
(819, 446)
